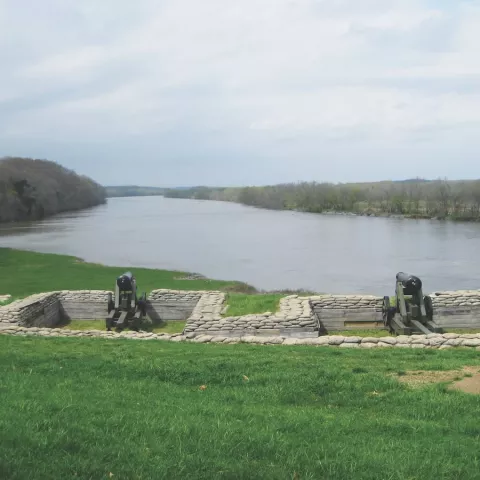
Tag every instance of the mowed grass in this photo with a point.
(461, 330)
(166, 327)
(25, 273)
(239, 304)
(124, 409)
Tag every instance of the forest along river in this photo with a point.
(268, 249)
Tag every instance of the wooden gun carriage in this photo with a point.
(411, 312)
(125, 309)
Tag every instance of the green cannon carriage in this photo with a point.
(125, 309)
(411, 312)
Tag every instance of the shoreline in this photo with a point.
(400, 216)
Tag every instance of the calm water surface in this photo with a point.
(268, 249)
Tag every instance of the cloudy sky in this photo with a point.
(229, 92)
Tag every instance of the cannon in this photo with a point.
(410, 311)
(124, 308)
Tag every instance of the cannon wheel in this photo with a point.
(428, 306)
(142, 304)
(386, 311)
(111, 304)
(110, 308)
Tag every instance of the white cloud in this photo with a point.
(256, 70)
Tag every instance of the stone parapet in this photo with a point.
(175, 295)
(461, 298)
(41, 309)
(295, 313)
(432, 341)
(204, 311)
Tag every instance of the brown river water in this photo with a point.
(268, 249)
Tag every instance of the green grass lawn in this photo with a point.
(239, 304)
(123, 409)
(24, 273)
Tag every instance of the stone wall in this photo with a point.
(52, 308)
(294, 318)
(297, 316)
(42, 310)
(161, 304)
(460, 309)
(452, 309)
(83, 304)
(347, 312)
(432, 341)
(172, 304)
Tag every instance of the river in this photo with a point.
(268, 249)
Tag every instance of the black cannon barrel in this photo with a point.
(125, 281)
(411, 283)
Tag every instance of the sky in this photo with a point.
(251, 92)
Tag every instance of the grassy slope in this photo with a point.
(85, 408)
(24, 273)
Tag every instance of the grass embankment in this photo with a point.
(92, 408)
(25, 273)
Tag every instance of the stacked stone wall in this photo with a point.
(460, 309)
(432, 341)
(38, 310)
(83, 304)
(461, 298)
(172, 304)
(295, 317)
(53, 308)
(346, 312)
(204, 312)
(452, 309)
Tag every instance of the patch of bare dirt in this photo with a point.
(468, 384)
(466, 379)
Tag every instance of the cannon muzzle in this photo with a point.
(125, 281)
(411, 284)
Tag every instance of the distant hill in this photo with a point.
(413, 180)
(132, 191)
(32, 189)
(138, 191)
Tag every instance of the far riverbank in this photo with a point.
(417, 198)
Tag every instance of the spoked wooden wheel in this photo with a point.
(386, 311)
(111, 303)
(428, 306)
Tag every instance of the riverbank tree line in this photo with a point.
(32, 189)
(132, 191)
(416, 198)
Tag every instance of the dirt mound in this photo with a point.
(466, 379)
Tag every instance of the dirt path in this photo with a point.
(466, 380)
